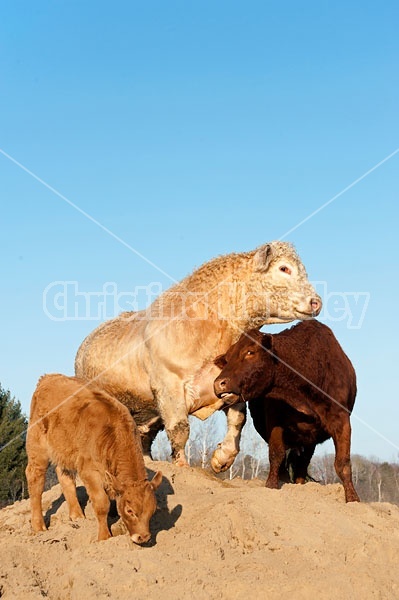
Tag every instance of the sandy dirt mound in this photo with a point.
(211, 539)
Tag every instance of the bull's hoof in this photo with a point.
(220, 461)
(179, 459)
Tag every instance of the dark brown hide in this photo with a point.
(301, 388)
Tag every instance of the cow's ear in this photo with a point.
(267, 341)
(220, 361)
(263, 257)
(111, 485)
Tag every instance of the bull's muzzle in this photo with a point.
(315, 305)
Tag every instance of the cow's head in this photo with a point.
(279, 285)
(247, 368)
(136, 503)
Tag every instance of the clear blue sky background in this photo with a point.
(192, 129)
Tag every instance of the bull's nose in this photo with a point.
(315, 304)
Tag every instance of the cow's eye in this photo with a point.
(250, 352)
(285, 269)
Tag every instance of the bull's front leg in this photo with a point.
(227, 450)
(178, 431)
(173, 410)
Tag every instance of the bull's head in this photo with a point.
(279, 288)
(247, 368)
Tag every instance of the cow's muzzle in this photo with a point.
(222, 391)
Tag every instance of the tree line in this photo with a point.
(375, 480)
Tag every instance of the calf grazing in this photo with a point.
(301, 388)
(82, 429)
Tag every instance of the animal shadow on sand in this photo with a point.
(53, 508)
(163, 519)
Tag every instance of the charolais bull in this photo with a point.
(159, 361)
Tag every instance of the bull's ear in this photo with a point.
(220, 361)
(262, 258)
(112, 485)
(267, 341)
(156, 480)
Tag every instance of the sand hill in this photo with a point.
(211, 539)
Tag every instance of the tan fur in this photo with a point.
(159, 362)
(81, 429)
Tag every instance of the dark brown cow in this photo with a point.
(301, 388)
(82, 429)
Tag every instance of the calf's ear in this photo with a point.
(262, 258)
(156, 480)
(220, 361)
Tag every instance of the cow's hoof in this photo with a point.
(220, 462)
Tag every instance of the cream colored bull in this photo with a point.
(159, 362)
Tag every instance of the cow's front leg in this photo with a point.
(225, 453)
(342, 442)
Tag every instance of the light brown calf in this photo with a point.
(83, 430)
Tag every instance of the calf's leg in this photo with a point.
(276, 456)
(99, 499)
(224, 455)
(35, 476)
(67, 482)
(342, 442)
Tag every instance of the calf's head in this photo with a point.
(136, 503)
(247, 368)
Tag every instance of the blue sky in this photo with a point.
(193, 129)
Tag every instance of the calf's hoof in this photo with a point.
(76, 514)
(37, 527)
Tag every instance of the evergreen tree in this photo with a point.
(13, 424)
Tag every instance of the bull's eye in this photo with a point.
(250, 352)
(285, 269)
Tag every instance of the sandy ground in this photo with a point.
(211, 539)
